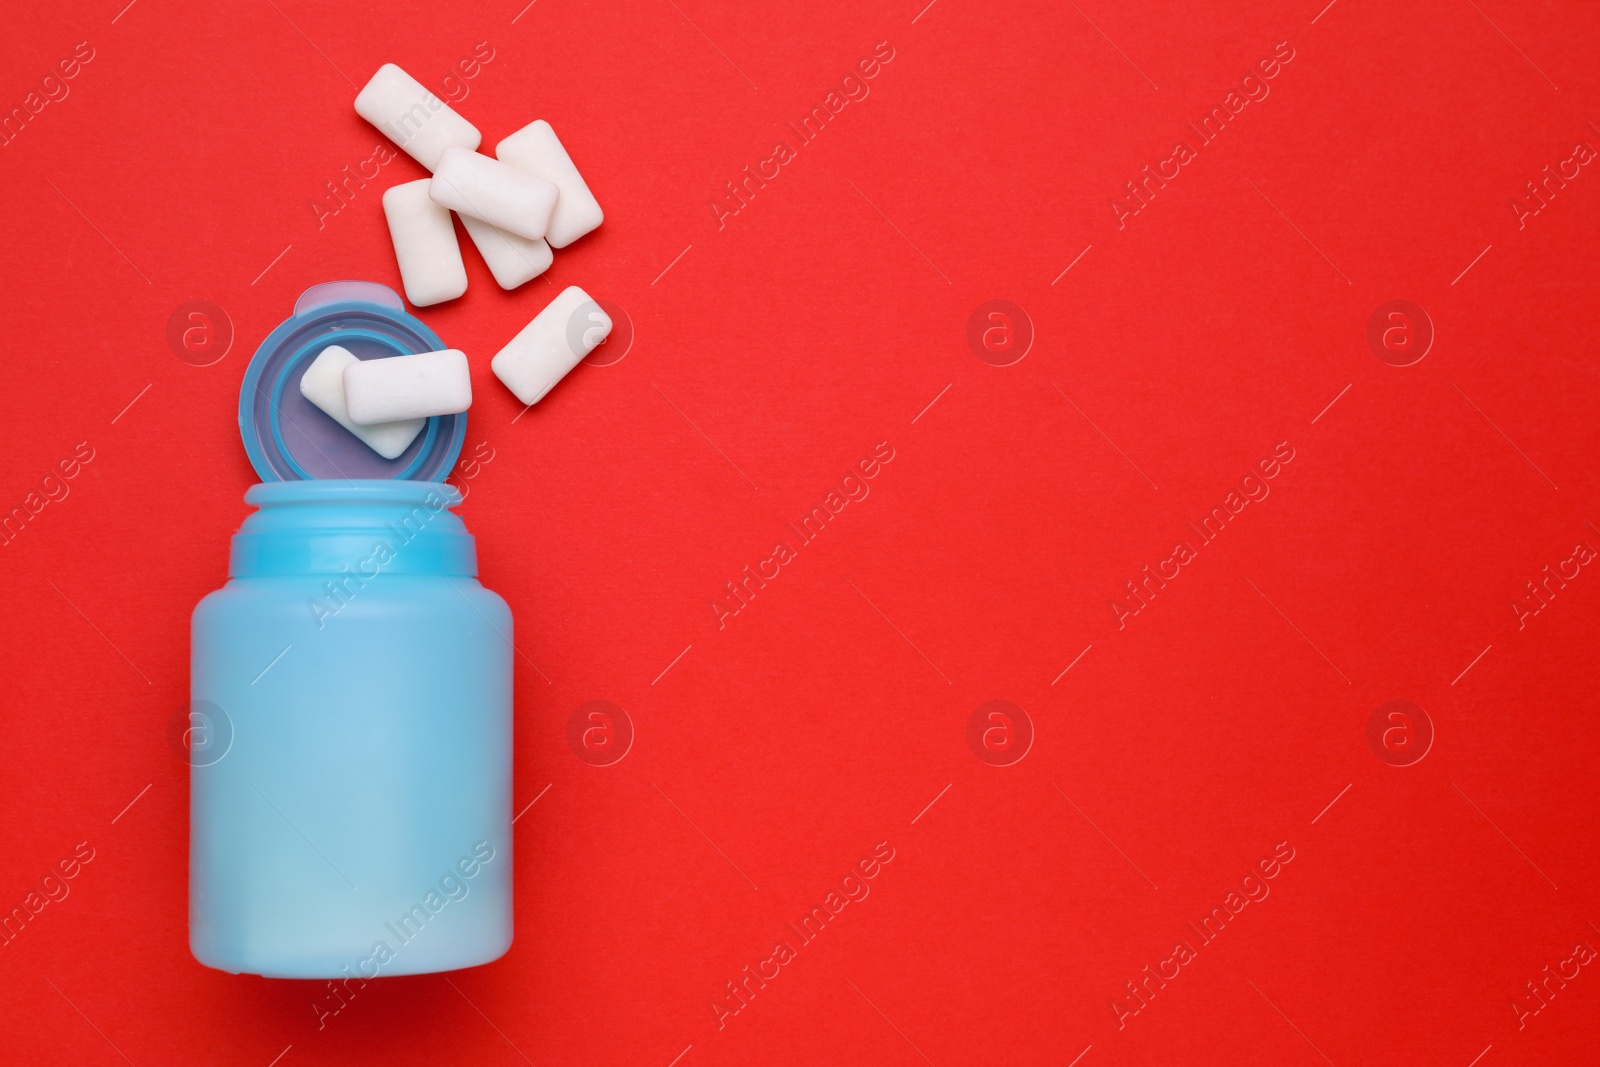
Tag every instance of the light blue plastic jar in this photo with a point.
(350, 791)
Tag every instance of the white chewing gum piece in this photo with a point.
(512, 260)
(495, 192)
(425, 245)
(323, 385)
(557, 339)
(412, 117)
(417, 386)
(536, 149)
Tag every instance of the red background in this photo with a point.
(822, 319)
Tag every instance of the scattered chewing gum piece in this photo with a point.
(512, 260)
(323, 385)
(407, 387)
(424, 244)
(495, 192)
(536, 149)
(412, 117)
(557, 339)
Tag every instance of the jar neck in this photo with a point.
(364, 527)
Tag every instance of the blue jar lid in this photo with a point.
(289, 439)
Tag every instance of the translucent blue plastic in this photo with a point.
(288, 438)
(350, 811)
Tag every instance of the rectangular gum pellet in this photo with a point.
(495, 192)
(323, 385)
(425, 244)
(407, 387)
(512, 260)
(536, 149)
(557, 339)
(412, 117)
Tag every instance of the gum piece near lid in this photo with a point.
(288, 439)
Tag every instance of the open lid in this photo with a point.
(288, 438)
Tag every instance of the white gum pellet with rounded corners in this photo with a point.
(536, 149)
(412, 117)
(416, 386)
(495, 192)
(323, 385)
(557, 339)
(424, 245)
(512, 260)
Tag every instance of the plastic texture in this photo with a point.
(352, 813)
(287, 438)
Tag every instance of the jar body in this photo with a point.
(359, 821)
